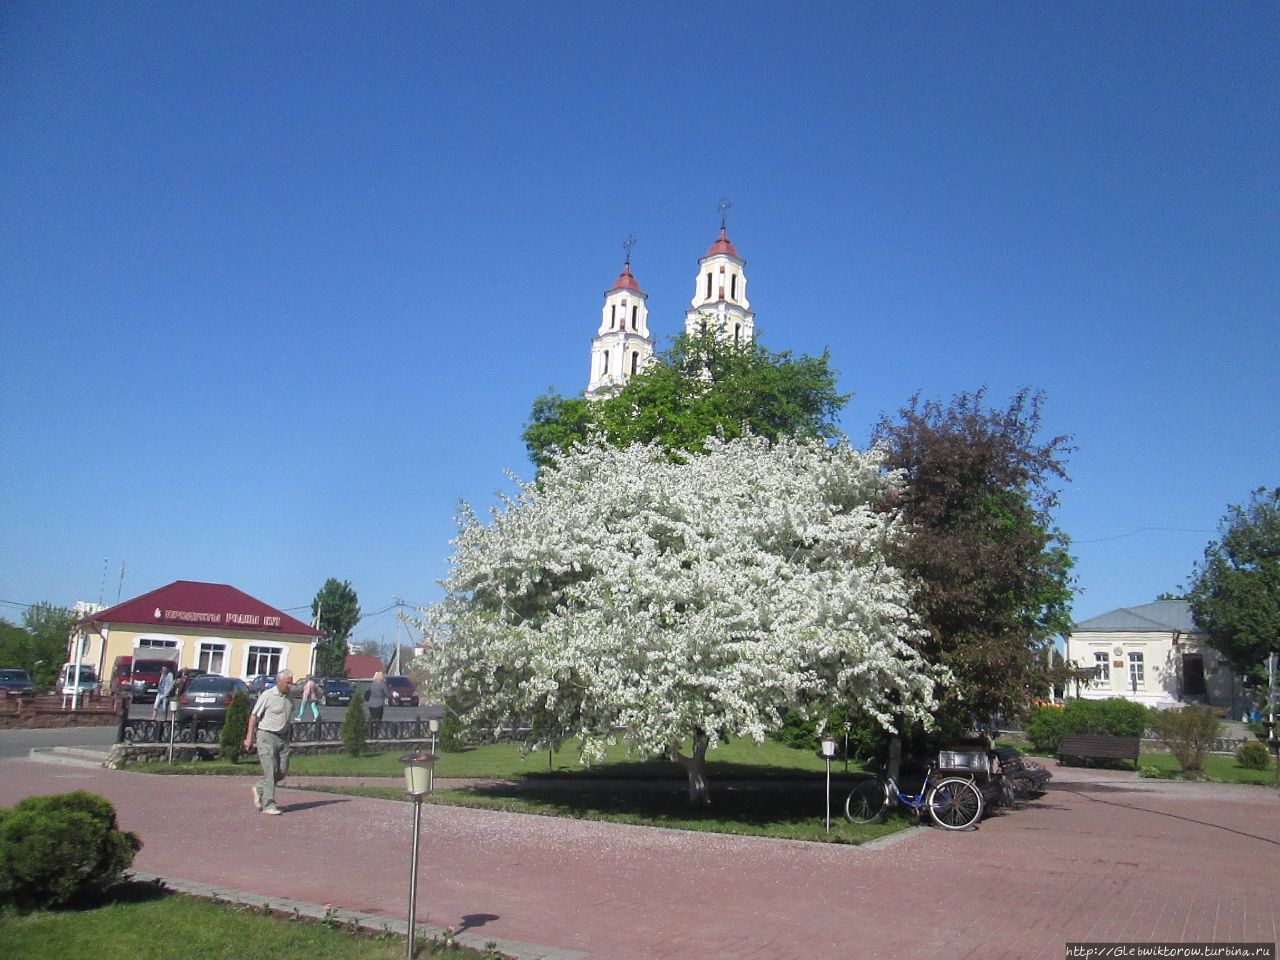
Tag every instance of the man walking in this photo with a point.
(270, 719)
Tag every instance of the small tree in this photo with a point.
(231, 740)
(1189, 733)
(355, 728)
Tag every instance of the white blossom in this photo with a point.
(625, 591)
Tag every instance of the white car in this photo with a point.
(67, 684)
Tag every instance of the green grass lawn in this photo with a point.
(1219, 769)
(738, 759)
(144, 923)
(1162, 766)
(793, 814)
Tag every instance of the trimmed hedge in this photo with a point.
(56, 849)
(1047, 725)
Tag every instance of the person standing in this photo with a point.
(310, 696)
(163, 690)
(270, 720)
(377, 697)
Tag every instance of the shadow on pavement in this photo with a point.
(1174, 816)
(295, 807)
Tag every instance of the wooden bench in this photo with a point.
(1024, 778)
(1097, 746)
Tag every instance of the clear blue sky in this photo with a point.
(278, 282)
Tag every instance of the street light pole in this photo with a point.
(828, 751)
(417, 777)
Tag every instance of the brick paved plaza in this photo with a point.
(1103, 856)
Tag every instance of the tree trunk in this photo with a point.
(696, 767)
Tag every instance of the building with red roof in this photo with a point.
(213, 627)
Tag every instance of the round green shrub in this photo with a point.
(56, 849)
(1252, 756)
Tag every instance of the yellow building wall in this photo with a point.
(197, 648)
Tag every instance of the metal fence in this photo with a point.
(300, 732)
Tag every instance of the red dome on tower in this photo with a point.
(625, 280)
(722, 245)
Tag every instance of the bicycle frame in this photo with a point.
(916, 801)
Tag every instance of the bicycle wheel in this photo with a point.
(954, 804)
(866, 802)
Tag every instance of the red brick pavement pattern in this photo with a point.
(1103, 856)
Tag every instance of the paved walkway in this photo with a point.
(1103, 857)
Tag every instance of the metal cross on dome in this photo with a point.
(627, 245)
(725, 204)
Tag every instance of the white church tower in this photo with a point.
(622, 346)
(720, 292)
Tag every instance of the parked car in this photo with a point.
(208, 696)
(17, 683)
(401, 692)
(122, 675)
(261, 682)
(144, 678)
(337, 692)
(67, 684)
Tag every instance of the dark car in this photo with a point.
(261, 682)
(401, 692)
(337, 692)
(17, 683)
(208, 696)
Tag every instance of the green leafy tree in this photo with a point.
(336, 609)
(993, 572)
(39, 646)
(1235, 590)
(355, 727)
(231, 739)
(703, 386)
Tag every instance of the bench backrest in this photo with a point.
(1101, 746)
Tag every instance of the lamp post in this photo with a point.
(434, 726)
(417, 782)
(847, 725)
(828, 751)
(171, 707)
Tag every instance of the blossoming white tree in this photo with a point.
(681, 602)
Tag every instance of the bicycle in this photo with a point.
(954, 803)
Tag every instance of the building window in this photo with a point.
(1193, 675)
(613, 316)
(155, 644)
(1102, 667)
(708, 286)
(262, 660)
(733, 287)
(737, 333)
(604, 366)
(1136, 673)
(635, 362)
(634, 312)
(212, 657)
